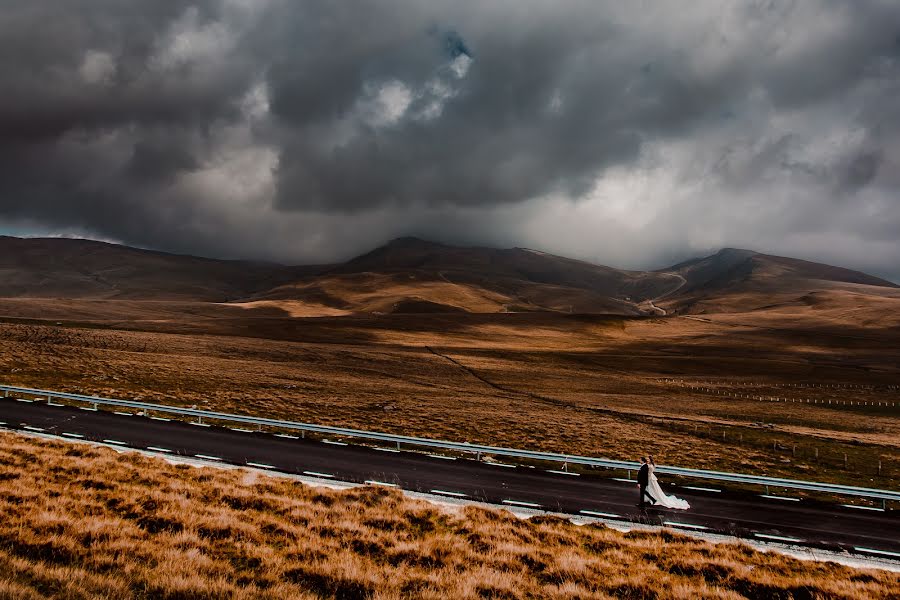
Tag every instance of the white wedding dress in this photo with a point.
(661, 498)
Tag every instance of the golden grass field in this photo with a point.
(590, 385)
(82, 522)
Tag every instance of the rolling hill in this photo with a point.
(413, 275)
(410, 275)
(735, 280)
(86, 269)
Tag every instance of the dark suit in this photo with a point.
(643, 478)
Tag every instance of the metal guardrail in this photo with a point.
(477, 449)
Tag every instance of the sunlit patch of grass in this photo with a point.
(85, 522)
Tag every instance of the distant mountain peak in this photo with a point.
(411, 240)
(735, 252)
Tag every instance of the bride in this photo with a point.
(656, 491)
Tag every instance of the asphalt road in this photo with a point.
(746, 515)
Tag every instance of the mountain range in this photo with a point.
(410, 275)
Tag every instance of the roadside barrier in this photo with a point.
(477, 449)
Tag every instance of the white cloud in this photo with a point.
(97, 67)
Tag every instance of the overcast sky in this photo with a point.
(632, 134)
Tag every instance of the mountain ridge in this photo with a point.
(411, 274)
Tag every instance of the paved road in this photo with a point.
(742, 514)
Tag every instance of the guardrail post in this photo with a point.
(95, 406)
(398, 445)
(199, 419)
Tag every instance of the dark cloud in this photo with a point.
(626, 133)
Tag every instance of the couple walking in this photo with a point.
(649, 487)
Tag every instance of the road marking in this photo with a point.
(442, 457)
(317, 474)
(124, 414)
(30, 428)
(446, 493)
(158, 449)
(785, 498)
(687, 525)
(116, 442)
(496, 464)
(624, 480)
(207, 457)
(334, 443)
(373, 482)
(87, 408)
(385, 449)
(879, 552)
(259, 465)
(160, 419)
(701, 489)
(593, 513)
(73, 435)
(563, 473)
(777, 538)
(53, 403)
(198, 424)
(24, 400)
(287, 437)
(862, 507)
(241, 430)
(525, 504)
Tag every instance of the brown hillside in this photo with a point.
(409, 275)
(70, 268)
(413, 276)
(740, 280)
(87, 522)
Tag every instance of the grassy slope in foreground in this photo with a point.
(86, 522)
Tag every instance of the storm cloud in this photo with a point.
(631, 134)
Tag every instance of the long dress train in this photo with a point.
(661, 498)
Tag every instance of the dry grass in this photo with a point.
(86, 522)
(569, 384)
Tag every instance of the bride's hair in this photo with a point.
(650, 458)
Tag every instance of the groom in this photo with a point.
(643, 480)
